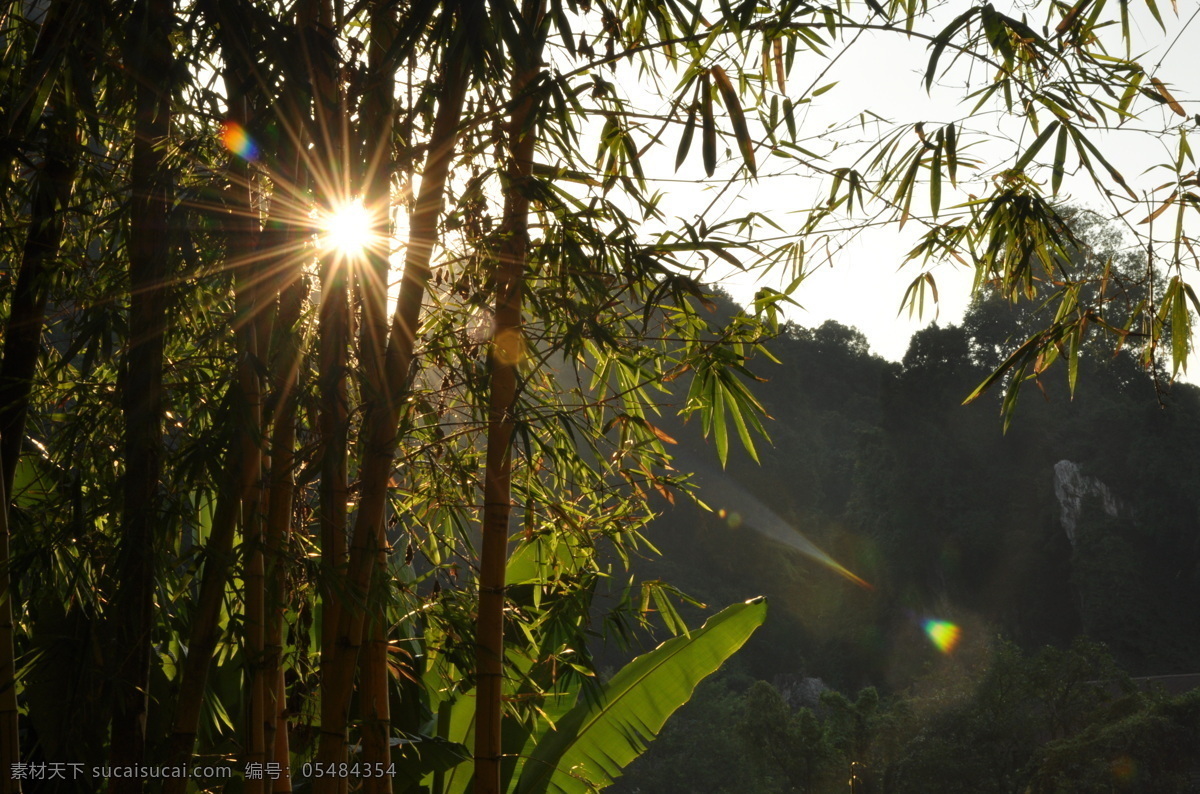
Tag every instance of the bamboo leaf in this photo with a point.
(952, 154)
(1082, 141)
(1161, 208)
(1016, 362)
(1131, 90)
(736, 409)
(935, 176)
(1060, 158)
(1181, 326)
(1153, 6)
(689, 129)
(779, 69)
(1166, 95)
(1034, 147)
(1076, 342)
(708, 141)
(736, 117)
(720, 434)
(941, 42)
(1187, 289)
(1071, 16)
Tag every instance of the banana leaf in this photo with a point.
(600, 736)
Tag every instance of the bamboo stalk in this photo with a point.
(249, 309)
(142, 400)
(26, 318)
(275, 292)
(52, 193)
(507, 351)
(285, 363)
(382, 411)
(378, 120)
(375, 715)
(281, 746)
(334, 329)
(243, 462)
(22, 345)
(10, 743)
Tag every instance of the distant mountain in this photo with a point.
(878, 467)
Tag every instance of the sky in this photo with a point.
(864, 283)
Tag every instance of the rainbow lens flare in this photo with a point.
(944, 634)
(237, 140)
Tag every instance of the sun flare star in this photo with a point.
(348, 229)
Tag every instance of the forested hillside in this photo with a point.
(1080, 521)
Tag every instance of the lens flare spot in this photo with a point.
(1124, 769)
(508, 347)
(944, 634)
(348, 229)
(235, 138)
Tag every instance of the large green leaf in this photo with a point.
(601, 735)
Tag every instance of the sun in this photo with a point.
(348, 229)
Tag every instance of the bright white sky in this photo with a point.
(883, 73)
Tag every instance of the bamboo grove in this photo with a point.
(285, 508)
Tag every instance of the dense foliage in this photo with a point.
(1058, 720)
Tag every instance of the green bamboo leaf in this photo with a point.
(952, 154)
(708, 142)
(1181, 326)
(1017, 362)
(736, 117)
(720, 433)
(1153, 6)
(596, 739)
(941, 42)
(737, 411)
(1131, 90)
(689, 129)
(1034, 147)
(1082, 141)
(904, 193)
(1060, 159)
(1187, 288)
(1008, 407)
